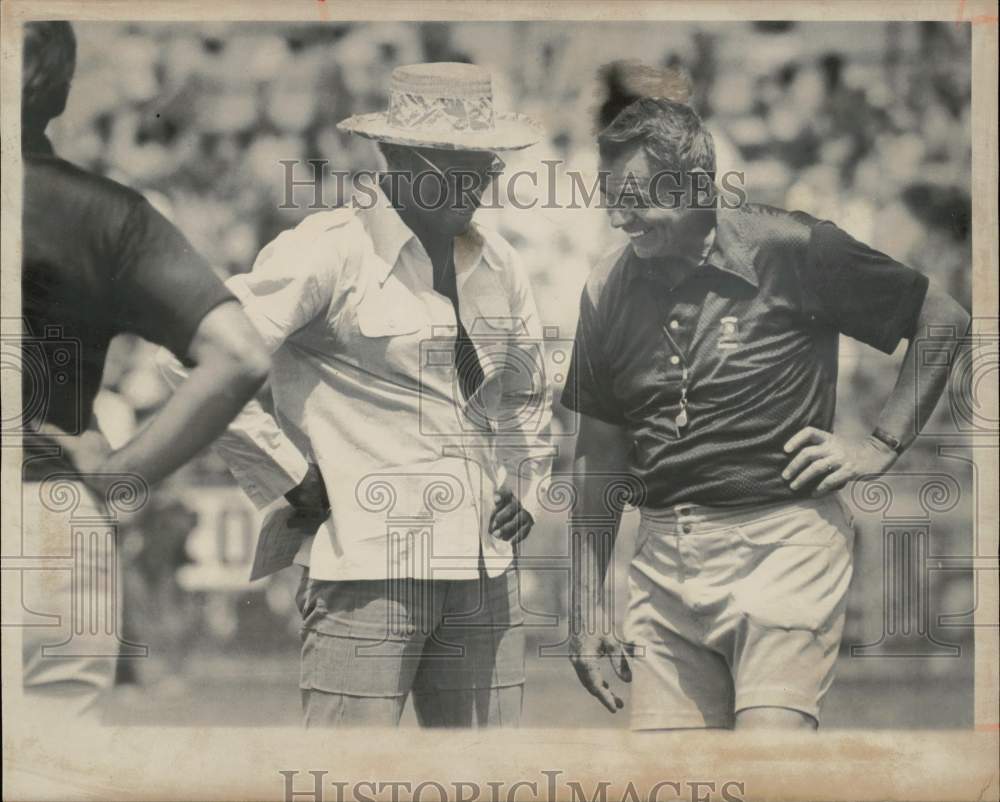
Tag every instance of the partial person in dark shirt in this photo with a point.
(705, 372)
(99, 261)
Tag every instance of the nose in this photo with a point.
(619, 218)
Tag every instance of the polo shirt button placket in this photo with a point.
(677, 358)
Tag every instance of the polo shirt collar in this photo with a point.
(389, 235)
(726, 253)
(729, 253)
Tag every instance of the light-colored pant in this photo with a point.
(69, 609)
(732, 608)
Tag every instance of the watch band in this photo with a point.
(884, 437)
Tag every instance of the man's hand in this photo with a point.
(835, 459)
(88, 452)
(586, 654)
(510, 521)
(309, 500)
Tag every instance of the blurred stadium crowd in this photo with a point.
(867, 124)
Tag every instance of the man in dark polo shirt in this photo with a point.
(98, 261)
(705, 367)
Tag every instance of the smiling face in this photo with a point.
(653, 207)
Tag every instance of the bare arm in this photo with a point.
(230, 364)
(904, 414)
(600, 463)
(259, 454)
(900, 417)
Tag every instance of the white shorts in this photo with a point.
(732, 608)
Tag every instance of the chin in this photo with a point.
(458, 224)
(651, 251)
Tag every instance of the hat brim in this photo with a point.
(510, 132)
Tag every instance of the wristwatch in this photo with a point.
(884, 437)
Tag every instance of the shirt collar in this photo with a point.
(390, 235)
(729, 252)
(35, 142)
(726, 253)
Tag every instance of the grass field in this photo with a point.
(245, 690)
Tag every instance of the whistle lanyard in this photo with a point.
(681, 419)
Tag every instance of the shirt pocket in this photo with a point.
(487, 314)
(390, 310)
(391, 324)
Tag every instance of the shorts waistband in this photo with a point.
(686, 518)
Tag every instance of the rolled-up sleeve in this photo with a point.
(292, 281)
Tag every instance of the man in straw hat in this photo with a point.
(705, 365)
(410, 418)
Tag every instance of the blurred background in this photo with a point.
(867, 124)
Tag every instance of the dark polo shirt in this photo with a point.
(756, 326)
(98, 261)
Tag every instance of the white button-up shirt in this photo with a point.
(364, 384)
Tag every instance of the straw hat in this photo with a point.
(444, 105)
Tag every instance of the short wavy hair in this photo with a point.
(49, 63)
(627, 80)
(671, 134)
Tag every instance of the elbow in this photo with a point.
(251, 365)
(961, 319)
(240, 364)
(941, 310)
(955, 317)
(228, 348)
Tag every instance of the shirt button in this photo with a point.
(675, 360)
(686, 529)
(674, 325)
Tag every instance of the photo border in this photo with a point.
(43, 761)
